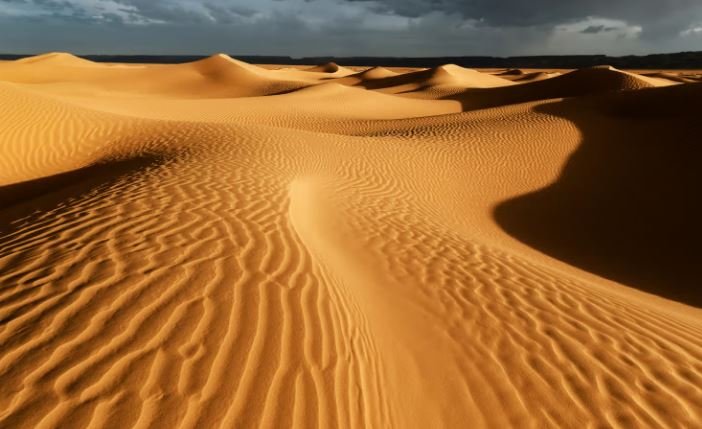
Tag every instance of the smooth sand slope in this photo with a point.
(216, 244)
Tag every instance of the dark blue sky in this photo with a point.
(351, 27)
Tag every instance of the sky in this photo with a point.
(351, 27)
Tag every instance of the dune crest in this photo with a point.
(63, 59)
(451, 74)
(375, 73)
(223, 62)
(218, 244)
(601, 78)
(577, 83)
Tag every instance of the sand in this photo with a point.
(218, 244)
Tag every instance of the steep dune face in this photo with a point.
(341, 257)
(228, 77)
(452, 74)
(218, 64)
(626, 204)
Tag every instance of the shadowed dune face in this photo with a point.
(594, 80)
(75, 181)
(326, 68)
(627, 205)
(511, 72)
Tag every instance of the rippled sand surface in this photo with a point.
(218, 244)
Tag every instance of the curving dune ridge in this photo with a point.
(215, 244)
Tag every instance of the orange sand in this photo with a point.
(217, 244)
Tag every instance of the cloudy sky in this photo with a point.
(351, 27)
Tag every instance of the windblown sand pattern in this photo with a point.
(217, 244)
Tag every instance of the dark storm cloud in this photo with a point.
(352, 27)
(538, 12)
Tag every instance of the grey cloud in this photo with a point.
(348, 27)
(164, 11)
(538, 12)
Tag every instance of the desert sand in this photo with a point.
(218, 244)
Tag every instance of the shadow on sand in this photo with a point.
(628, 203)
(44, 194)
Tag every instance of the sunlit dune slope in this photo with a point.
(375, 73)
(214, 244)
(40, 136)
(218, 76)
(673, 77)
(57, 59)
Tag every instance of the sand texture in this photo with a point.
(218, 244)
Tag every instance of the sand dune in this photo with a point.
(57, 59)
(578, 83)
(218, 64)
(218, 76)
(436, 82)
(511, 72)
(371, 74)
(529, 77)
(522, 76)
(215, 244)
(624, 178)
(375, 73)
(68, 137)
(332, 68)
(673, 77)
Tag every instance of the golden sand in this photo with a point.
(218, 244)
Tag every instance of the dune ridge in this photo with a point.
(215, 244)
(57, 59)
(376, 73)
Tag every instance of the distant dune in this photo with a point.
(60, 59)
(330, 67)
(219, 244)
(676, 61)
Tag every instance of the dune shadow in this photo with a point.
(46, 193)
(578, 83)
(627, 205)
